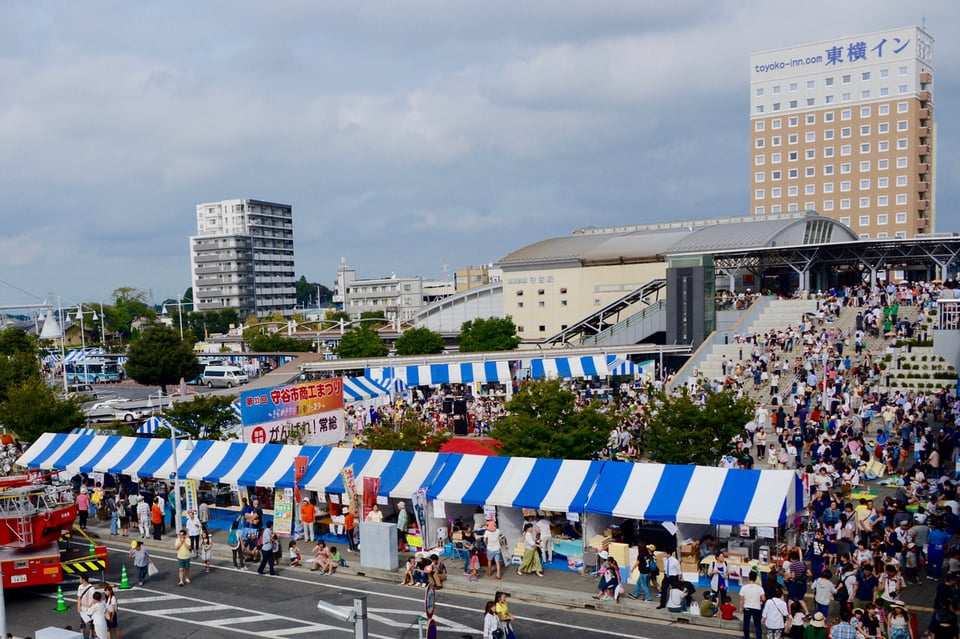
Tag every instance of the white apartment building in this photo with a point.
(242, 257)
(399, 298)
(845, 127)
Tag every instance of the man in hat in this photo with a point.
(308, 514)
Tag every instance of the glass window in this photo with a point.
(793, 87)
(828, 116)
(883, 200)
(793, 156)
(883, 165)
(865, 75)
(810, 189)
(758, 210)
(828, 151)
(792, 207)
(901, 180)
(902, 144)
(883, 127)
(760, 160)
(810, 154)
(864, 147)
(776, 106)
(810, 171)
(902, 70)
(901, 163)
(845, 79)
(759, 194)
(811, 84)
(828, 82)
(845, 97)
(793, 104)
(811, 118)
(902, 89)
(759, 125)
(828, 100)
(775, 208)
(845, 167)
(883, 183)
(810, 136)
(883, 145)
(902, 125)
(776, 89)
(828, 187)
(759, 92)
(828, 205)
(775, 140)
(883, 109)
(884, 73)
(774, 175)
(845, 186)
(901, 198)
(846, 114)
(759, 176)
(775, 192)
(845, 149)
(902, 107)
(845, 132)
(811, 102)
(828, 169)
(793, 138)
(864, 129)
(759, 143)
(881, 236)
(793, 174)
(901, 217)
(775, 158)
(865, 184)
(884, 92)
(844, 204)
(792, 191)
(775, 123)
(845, 220)
(865, 111)
(863, 220)
(864, 203)
(759, 108)
(793, 121)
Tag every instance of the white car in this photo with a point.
(113, 410)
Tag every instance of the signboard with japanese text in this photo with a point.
(310, 412)
(283, 511)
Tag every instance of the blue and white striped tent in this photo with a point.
(618, 365)
(401, 472)
(139, 456)
(93, 431)
(356, 389)
(566, 367)
(77, 355)
(694, 494)
(516, 482)
(153, 424)
(266, 465)
(237, 413)
(454, 373)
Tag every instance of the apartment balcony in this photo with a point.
(923, 167)
(922, 205)
(923, 149)
(926, 77)
(925, 96)
(924, 113)
(923, 131)
(923, 186)
(922, 224)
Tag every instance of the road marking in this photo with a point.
(188, 609)
(250, 619)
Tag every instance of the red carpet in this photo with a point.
(472, 446)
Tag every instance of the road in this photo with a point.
(229, 603)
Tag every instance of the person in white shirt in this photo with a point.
(774, 615)
(751, 605)
(546, 539)
(671, 577)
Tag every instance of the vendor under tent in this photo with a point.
(511, 484)
(365, 391)
(133, 456)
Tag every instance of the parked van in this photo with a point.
(224, 376)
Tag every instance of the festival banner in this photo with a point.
(283, 511)
(350, 486)
(420, 513)
(271, 415)
(371, 486)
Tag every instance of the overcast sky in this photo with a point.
(405, 134)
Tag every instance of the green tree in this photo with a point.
(419, 341)
(680, 431)
(32, 408)
(159, 358)
(206, 416)
(129, 305)
(493, 334)
(18, 359)
(307, 292)
(362, 341)
(542, 421)
(277, 343)
(204, 323)
(411, 434)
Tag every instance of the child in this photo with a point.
(337, 558)
(473, 566)
(408, 572)
(206, 550)
(707, 607)
(294, 553)
(726, 611)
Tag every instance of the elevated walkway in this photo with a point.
(606, 317)
(636, 328)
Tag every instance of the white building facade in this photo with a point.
(845, 127)
(242, 257)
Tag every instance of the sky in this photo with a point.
(406, 135)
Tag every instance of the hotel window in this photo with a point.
(828, 100)
(811, 118)
(760, 160)
(811, 84)
(810, 154)
(845, 132)
(864, 166)
(811, 101)
(901, 199)
(845, 185)
(864, 129)
(810, 189)
(792, 191)
(901, 180)
(865, 184)
(759, 125)
(902, 70)
(759, 143)
(793, 156)
(793, 104)
(883, 109)
(792, 207)
(883, 183)
(883, 127)
(845, 79)
(865, 75)
(883, 165)
(902, 107)
(884, 92)
(865, 147)
(775, 123)
(810, 136)
(844, 204)
(759, 92)
(883, 145)
(845, 149)
(902, 125)
(881, 236)
(758, 210)
(774, 175)
(845, 97)
(828, 82)
(793, 174)
(900, 218)
(793, 138)
(775, 140)
(775, 208)
(845, 167)
(884, 73)
(563, 302)
(809, 206)
(846, 114)
(865, 111)
(828, 205)
(759, 194)
(519, 304)
(828, 116)
(775, 158)
(776, 89)
(543, 328)
(759, 176)
(883, 200)
(864, 236)
(828, 169)
(775, 192)
(902, 89)
(793, 121)
(828, 151)
(901, 163)
(863, 220)
(902, 144)
(810, 171)
(865, 203)
(776, 106)
(828, 187)
(845, 220)
(541, 304)
(793, 87)
(900, 235)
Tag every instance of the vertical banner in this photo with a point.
(190, 501)
(350, 486)
(299, 472)
(371, 486)
(420, 512)
(283, 511)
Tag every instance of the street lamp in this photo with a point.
(83, 339)
(51, 330)
(163, 311)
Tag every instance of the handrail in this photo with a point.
(622, 325)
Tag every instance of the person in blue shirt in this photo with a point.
(936, 545)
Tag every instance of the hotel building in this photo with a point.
(845, 127)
